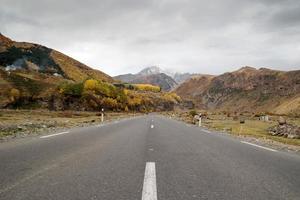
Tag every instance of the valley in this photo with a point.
(37, 79)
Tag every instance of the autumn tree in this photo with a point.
(14, 94)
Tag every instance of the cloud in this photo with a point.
(121, 36)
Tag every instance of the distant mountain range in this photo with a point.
(181, 77)
(154, 75)
(150, 75)
(36, 71)
(247, 89)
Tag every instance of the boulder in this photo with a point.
(281, 121)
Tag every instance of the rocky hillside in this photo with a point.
(247, 89)
(150, 75)
(38, 58)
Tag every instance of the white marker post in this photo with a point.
(102, 115)
(200, 119)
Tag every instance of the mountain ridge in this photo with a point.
(246, 89)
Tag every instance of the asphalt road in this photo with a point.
(149, 158)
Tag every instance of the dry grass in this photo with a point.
(36, 121)
(253, 128)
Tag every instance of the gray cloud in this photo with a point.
(120, 36)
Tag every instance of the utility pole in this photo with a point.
(102, 115)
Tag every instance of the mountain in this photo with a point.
(178, 77)
(247, 89)
(162, 80)
(182, 77)
(32, 71)
(34, 57)
(194, 86)
(150, 71)
(150, 75)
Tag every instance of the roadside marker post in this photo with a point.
(200, 119)
(102, 115)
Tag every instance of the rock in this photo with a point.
(281, 121)
(286, 130)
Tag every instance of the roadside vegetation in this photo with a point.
(251, 127)
(146, 87)
(231, 123)
(42, 91)
(18, 123)
(95, 95)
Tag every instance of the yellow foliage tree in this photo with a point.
(172, 97)
(15, 94)
(147, 87)
(109, 103)
(91, 85)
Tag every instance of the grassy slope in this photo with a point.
(77, 71)
(48, 60)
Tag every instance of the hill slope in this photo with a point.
(34, 71)
(247, 89)
(34, 57)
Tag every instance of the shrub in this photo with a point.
(172, 97)
(134, 101)
(109, 103)
(14, 94)
(121, 96)
(146, 87)
(102, 88)
(91, 85)
(73, 89)
(193, 113)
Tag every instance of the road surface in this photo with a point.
(150, 157)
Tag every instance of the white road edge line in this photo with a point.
(47, 136)
(149, 186)
(266, 148)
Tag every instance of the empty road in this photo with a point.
(149, 158)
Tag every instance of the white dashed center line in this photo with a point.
(149, 187)
(266, 148)
(47, 136)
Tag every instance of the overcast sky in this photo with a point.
(122, 36)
